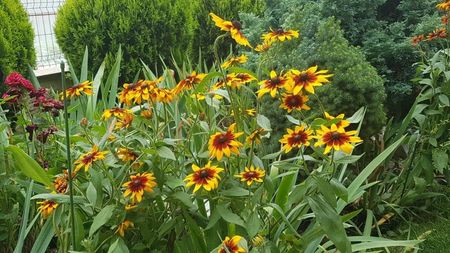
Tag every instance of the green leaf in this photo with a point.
(440, 159)
(118, 246)
(362, 177)
(84, 65)
(44, 238)
(331, 223)
(327, 191)
(26, 213)
(229, 216)
(29, 166)
(293, 120)
(263, 122)
(444, 100)
(185, 199)
(165, 152)
(235, 192)
(59, 198)
(253, 224)
(91, 194)
(101, 218)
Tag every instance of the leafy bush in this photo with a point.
(145, 30)
(355, 82)
(16, 39)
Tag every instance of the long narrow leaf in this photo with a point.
(26, 213)
(44, 238)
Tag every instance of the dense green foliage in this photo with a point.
(16, 38)
(146, 30)
(355, 82)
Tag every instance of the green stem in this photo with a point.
(69, 162)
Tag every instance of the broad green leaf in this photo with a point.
(101, 218)
(91, 194)
(185, 199)
(229, 216)
(331, 223)
(263, 122)
(235, 192)
(118, 246)
(253, 224)
(165, 152)
(29, 166)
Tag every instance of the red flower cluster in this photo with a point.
(17, 80)
(41, 99)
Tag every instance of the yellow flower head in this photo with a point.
(280, 35)
(139, 92)
(236, 80)
(231, 245)
(224, 143)
(114, 112)
(264, 47)
(272, 85)
(125, 225)
(234, 27)
(124, 121)
(255, 136)
(148, 113)
(47, 207)
(189, 82)
(292, 102)
(126, 155)
(164, 95)
(87, 159)
(307, 80)
(341, 121)
(60, 182)
(206, 177)
(251, 175)
(139, 184)
(78, 90)
(233, 61)
(336, 138)
(445, 6)
(296, 138)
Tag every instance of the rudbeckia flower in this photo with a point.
(47, 207)
(272, 85)
(125, 225)
(87, 159)
(280, 35)
(164, 95)
(139, 184)
(234, 27)
(79, 89)
(114, 112)
(336, 138)
(292, 102)
(224, 143)
(307, 79)
(341, 123)
(206, 177)
(255, 136)
(251, 175)
(233, 61)
(296, 138)
(231, 245)
(126, 155)
(262, 47)
(445, 6)
(238, 79)
(189, 82)
(60, 182)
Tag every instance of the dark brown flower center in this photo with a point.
(223, 138)
(275, 81)
(298, 138)
(294, 101)
(335, 136)
(204, 174)
(236, 24)
(279, 31)
(303, 77)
